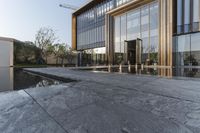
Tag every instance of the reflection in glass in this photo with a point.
(118, 56)
(145, 33)
(121, 2)
(133, 25)
(123, 35)
(184, 50)
(187, 15)
(154, 34)
(187, 72)
(179, 16)
(196, 15)
(141, 23)
(195, 49)
(91, 26)
(96, 56)
(188, 50)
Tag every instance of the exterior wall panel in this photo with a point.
(74, 33)
(166, 31)
(6, 53)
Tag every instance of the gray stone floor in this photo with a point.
(103, 103)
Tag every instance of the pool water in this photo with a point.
(163, 72)
(17, 79)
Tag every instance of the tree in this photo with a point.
(44, 39)
(25, 53)
(49, 51)
(70, 55)
(63, 51)
(56, 52)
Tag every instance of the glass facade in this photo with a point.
(140, 23)
(118, 55)
(91, 26)
(121, 2)
(187, 16)
(196, 14)
(96, 56)
(179, 16)
(186, 45)
(187, 50)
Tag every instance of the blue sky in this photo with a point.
(21, 19)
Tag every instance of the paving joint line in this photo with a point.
(46, 111)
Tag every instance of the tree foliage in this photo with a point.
(26, 53)
(44, 39)
(63, 51)
(44, 47)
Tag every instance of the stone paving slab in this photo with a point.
(109, 117)
(169, 108)
(20, 114)
(61, 99)
(180, 89)
(83, 110)
(103, 103)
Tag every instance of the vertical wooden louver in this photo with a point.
(74, 33)
(165, 32)
(166, 36)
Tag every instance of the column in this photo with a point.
(109, 39)
(165, 32)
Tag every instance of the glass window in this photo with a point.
(183, 54)
(117, 41)
(196, 15)
(117, 34)
(179, 15)
(195, 49)
(94, 56)
(123, 32)
(195, 10)
(133, 25)
(195, 42)
(154, 38)
(187, 15)
(99, 36)
(188, 50)
(145, 33)
(142, 23)
(111, 4)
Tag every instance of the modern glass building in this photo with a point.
(148, 32)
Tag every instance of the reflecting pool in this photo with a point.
(17, 79)
(163, 72)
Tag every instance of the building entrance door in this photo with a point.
(134, 52)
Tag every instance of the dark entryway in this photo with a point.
(131, 52)
(134, 48)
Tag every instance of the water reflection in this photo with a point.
(141, 70)
(187, 72)
(6, 79)
(16, 79)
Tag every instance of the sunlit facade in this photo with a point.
(140, 23)
(187, 36)
(136, 32)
